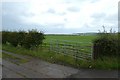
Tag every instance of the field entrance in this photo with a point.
(77, 50)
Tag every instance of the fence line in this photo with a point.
(76, 50)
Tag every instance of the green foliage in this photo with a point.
(106, 44)
(28, 40)
(13, 38)
(21, 37)
(33, 39)
(5, 38)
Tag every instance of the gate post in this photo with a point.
(96, 51)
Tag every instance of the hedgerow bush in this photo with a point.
(5, 38)
(106, 44)
(21, 37)
(33, 39)
(30, 39)
(13, 38)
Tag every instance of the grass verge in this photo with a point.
(13, 59)
(44, 54)
(0, 55)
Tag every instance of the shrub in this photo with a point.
(5, 37)
(21, 37)
(13, 38)
(28, 40)
(106, 44)
(33, 39)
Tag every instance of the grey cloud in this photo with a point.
(51, 11)
(74, 1)
(65, 19)
(119, 11)
(104, 17)
(60, 28)
(98, 18)
(94, 1)
(14, 7)
(73, 9)
(119, 16)
(11, 20)
(28, 14)
(0, 15)
(57, 25)
(14, 11)
(80, 1)
(11, 16)
(62, 14)
(112, 18)
(98, 15)
(63, 30)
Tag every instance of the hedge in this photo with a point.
(28, 40)
(106, 44)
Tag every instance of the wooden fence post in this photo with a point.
(64, 49)
(95, 51)
(50, 47)
(57, 46)
(92, 54)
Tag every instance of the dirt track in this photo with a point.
(36, 68)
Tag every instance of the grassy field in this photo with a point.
(70, 38)
(82, 43)
(77, 40)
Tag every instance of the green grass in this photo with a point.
(44, 54)
(0, 49)
(13, 58)
(0, 55)
(82, 43)
(107, 63)
(71, 38)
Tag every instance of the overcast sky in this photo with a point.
(60, 16)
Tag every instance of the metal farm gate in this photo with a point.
(76, 50)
